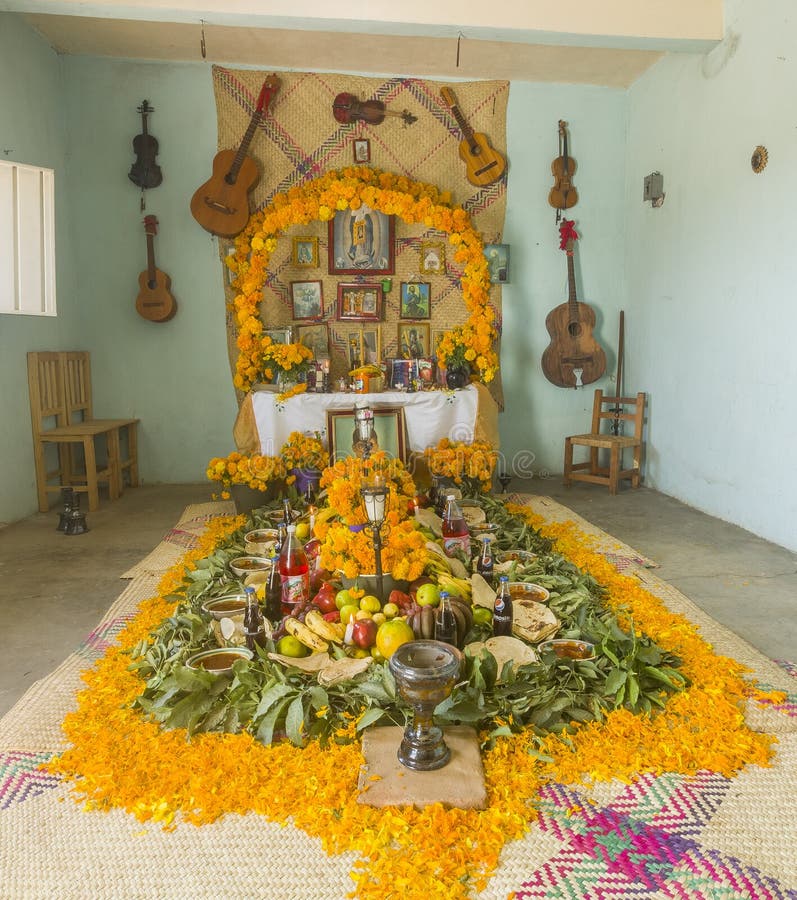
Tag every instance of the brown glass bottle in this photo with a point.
(503, 614)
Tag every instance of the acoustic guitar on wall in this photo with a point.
(154, 302)
(221, 205)
(483, 164)
(573, 358)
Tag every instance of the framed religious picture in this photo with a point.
(305, 252)
(433, 258)
(316, 337)
(359, 302)
(400, 373)
(389, 434)
(413, 340)
(437, 336)
(372, 344)
(283, 335)
(362, 150)
(308, 299)
(497, 262)
(415, 300)
(361, 242)
(354, 348)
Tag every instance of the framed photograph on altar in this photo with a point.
(305, 252)
(416, 300)
(359, 302)
(283, 335)
(362, 150)
(308, 299)
(413, 340)
(354, 347)
(372, 344)
(316, 337)
(389, 433)
(361, 241)
(433, 258)
(497, 262)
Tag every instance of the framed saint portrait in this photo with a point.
(415, 300)
(497, 262)
(389, 433)
(359, 302)
(362, 150)
(316, 337)
(308, 299)
(413, 340)
(361, 241)
(305, 252)
(433, 258)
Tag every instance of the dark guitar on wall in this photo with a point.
(154, 302)
(573, 358)
(483, 164)
(221, 205)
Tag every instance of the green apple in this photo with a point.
(390, 610)
(344, 598)
(428, 595)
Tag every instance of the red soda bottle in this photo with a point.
(294, 571)
(456, 538)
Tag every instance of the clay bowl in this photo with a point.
(245, 565)
(226, 606)
(522, 591)
(260, 541)
(218, 661)
(569, 648)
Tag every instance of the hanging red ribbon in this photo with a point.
(567, 233)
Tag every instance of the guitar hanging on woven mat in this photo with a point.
(154, 302)
(573, 358)
(221, 205)
(483, 164)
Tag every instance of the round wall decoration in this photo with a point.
(759, 159)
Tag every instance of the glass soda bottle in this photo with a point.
(502, 614)
(274, 588)
(294, 572)
(254, 628)
(287, 512)
(484, 564)
(456, 537)
(445, 625)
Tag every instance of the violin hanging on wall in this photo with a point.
(347, 108)
(154, 302)
(221, 204)
(563, 194)
(145, 172)
(573, 358)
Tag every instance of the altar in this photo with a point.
(264, 423)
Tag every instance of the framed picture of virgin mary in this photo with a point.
(361, 242)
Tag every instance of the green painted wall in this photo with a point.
(33, 131)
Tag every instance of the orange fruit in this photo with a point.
(391, 635)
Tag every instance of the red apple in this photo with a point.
(325, 600)
(333, 616)
(363, 633)
(401, 599)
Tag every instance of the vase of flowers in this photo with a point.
(305, 457)
(457, 376)
(250, 480)
(284, 364)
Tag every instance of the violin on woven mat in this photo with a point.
(221, 205)
(347, 108)
(573, 358)
(154, 302)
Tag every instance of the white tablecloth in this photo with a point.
(462, 415)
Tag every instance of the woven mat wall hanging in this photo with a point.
(299, 140)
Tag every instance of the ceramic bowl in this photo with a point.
(525, 590)
(569, 648)
(260, 541)
(225, 607)
(521, 557)
(218, 661)
(245, 565)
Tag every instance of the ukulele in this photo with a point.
(347, 108)
(145, 173)
(483, 164)
(221, 205)
(154, 301)
(573, 358)
(563, 195)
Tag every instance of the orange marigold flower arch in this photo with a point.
(414, 202)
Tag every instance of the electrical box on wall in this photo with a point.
(654, 188)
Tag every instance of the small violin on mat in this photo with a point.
(347, 108)
(145, 172)
(154, 302)
(221, 204)
(483, 164)
(563, 195)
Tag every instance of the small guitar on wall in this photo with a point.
(154, 302)
(573, 358)
(221, 205)
(483, 164)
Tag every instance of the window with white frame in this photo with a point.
(27, 240)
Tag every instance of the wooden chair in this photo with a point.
(608, 410)
(59, 387)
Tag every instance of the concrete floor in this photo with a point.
(54, 589)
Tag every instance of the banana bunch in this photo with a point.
(328, 631)
(306, 635)
(326, 512)
(459, 587)
(436, 562)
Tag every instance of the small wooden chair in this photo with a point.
(59, 386)
(608, 409)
